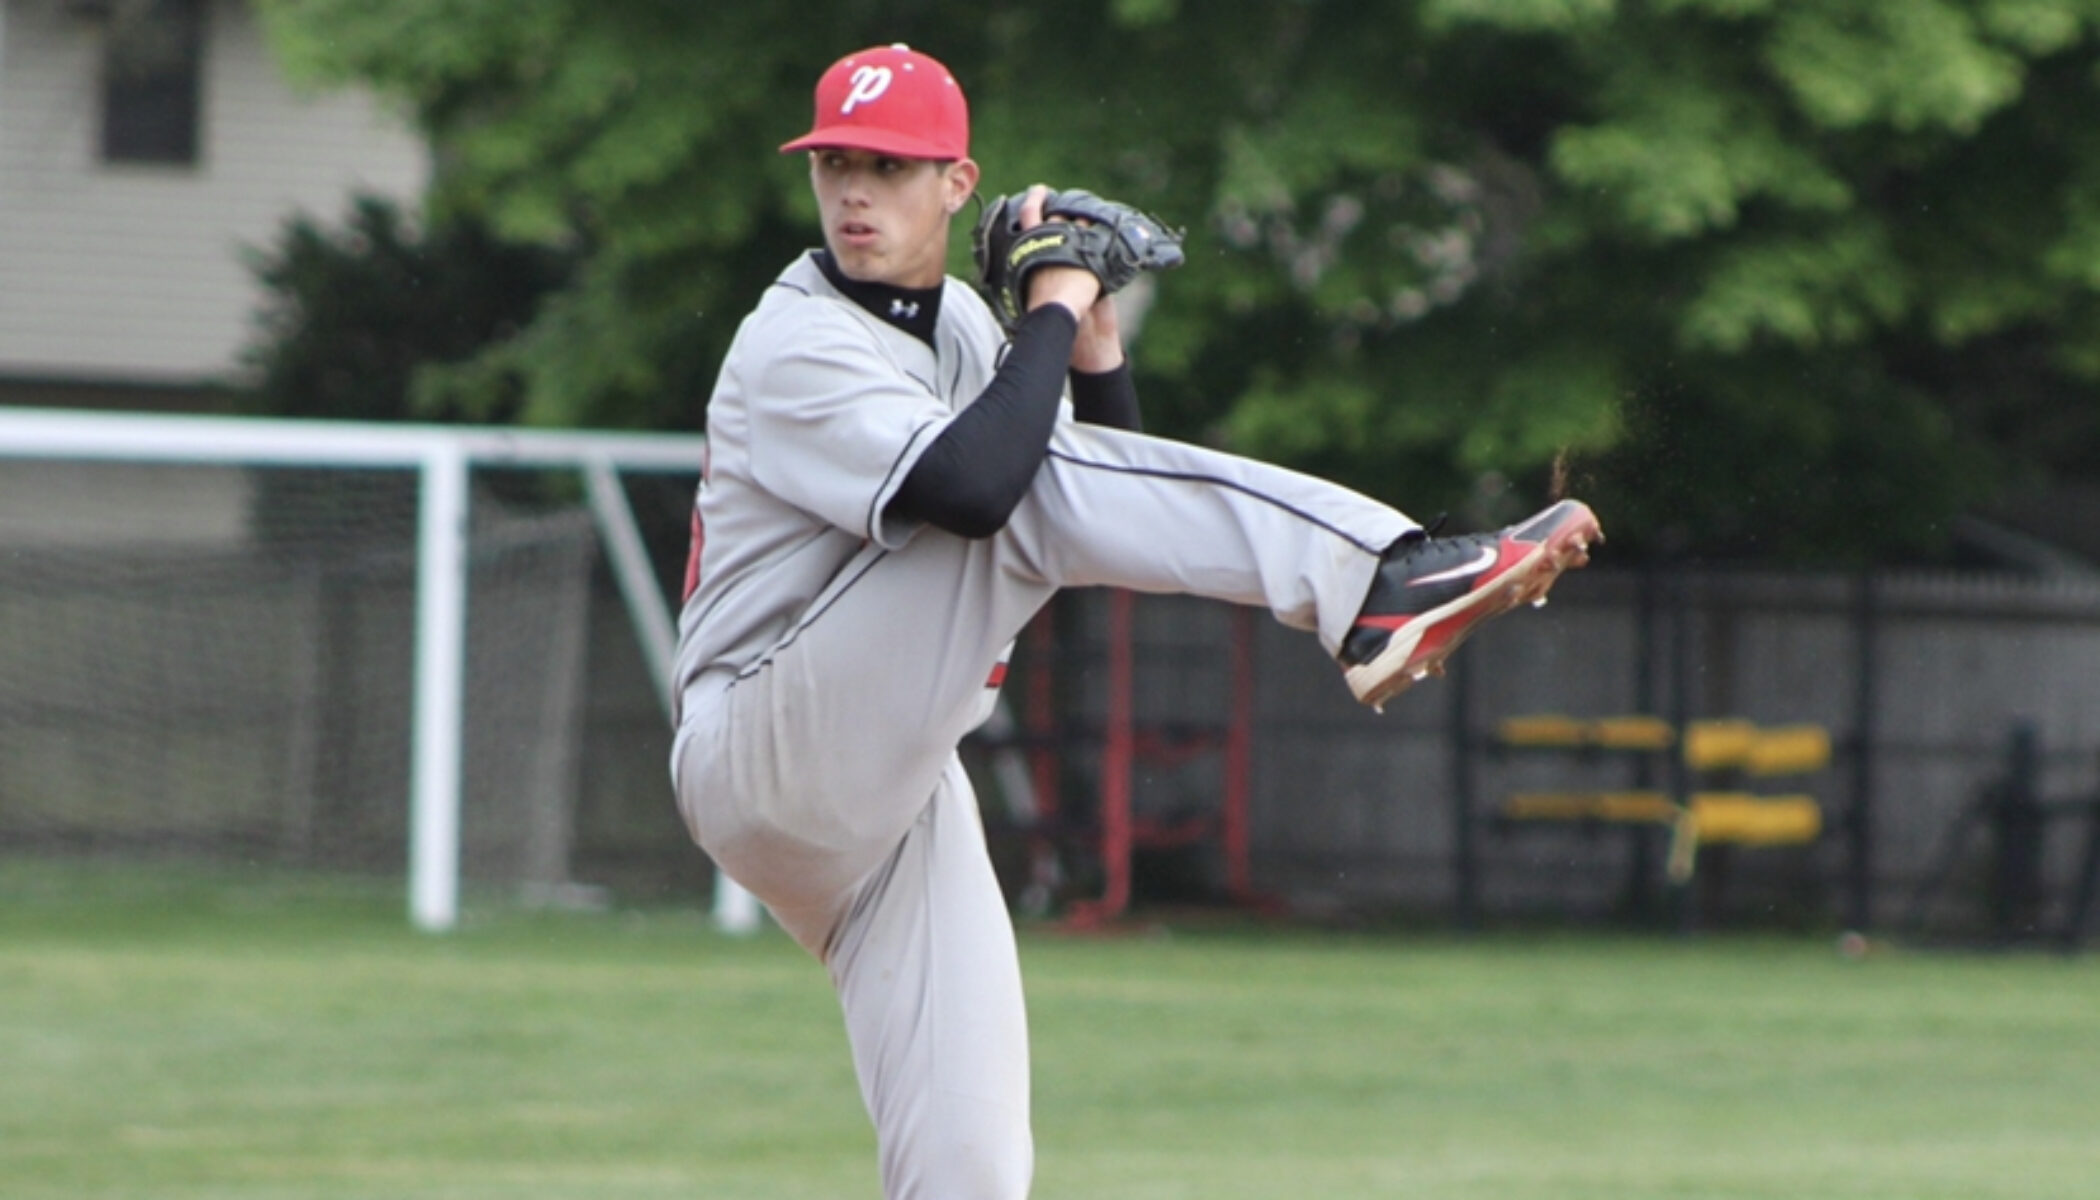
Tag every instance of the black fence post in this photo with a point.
(1859, 821)
(1684, 896)
(1640, 878)
(2088, 885)
(1464, 750)
(2017, 820)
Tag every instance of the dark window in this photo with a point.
(152, 74)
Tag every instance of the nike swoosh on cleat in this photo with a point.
(1487, 558)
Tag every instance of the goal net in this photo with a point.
(344, 647)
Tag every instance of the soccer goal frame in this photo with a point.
(443, 457)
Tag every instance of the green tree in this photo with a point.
(369, 321)
(1792, 278)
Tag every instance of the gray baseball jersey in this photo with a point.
(831, 658)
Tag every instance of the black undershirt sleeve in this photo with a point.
(1107, 398)
(971, 478)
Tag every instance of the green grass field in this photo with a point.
(166, 1036)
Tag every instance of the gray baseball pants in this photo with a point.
(827, 781)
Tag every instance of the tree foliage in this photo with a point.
(383, 319)
(1795, 278)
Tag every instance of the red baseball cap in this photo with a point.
(891, 100)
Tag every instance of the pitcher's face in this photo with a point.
(886, 218)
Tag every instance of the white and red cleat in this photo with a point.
(1430, 593)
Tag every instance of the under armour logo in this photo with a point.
(904, 309)
(869, 83)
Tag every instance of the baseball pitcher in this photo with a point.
(901, 472)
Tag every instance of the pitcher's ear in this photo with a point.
(962, 176)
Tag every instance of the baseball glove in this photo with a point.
(1113, 241)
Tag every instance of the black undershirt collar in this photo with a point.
(914, 310)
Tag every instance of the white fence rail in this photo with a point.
(443, 456)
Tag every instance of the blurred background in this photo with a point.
(1803, 298)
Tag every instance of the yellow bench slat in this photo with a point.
(1618, 807)
(1742, 819)
(1543, 730)
(1726, 743)
(1718, 744)
(1790, 750)
(1633, 733)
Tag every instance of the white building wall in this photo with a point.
(135, 274)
